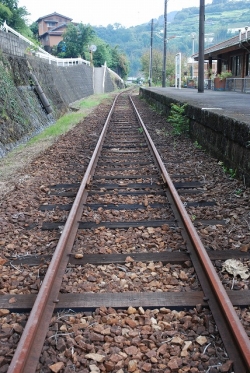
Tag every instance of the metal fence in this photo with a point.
(241, 85)
(208, 84)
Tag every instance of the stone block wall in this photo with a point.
(11, 44)
(222, 137)
(61, 86)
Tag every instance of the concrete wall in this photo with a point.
(222, 137)
(106, 80)
(22, 114)
(70, 83)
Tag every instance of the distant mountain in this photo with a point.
(171, 17)
(223, 18)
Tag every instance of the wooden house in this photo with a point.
(51, 28)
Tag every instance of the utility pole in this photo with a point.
(164, 46)
(151, 55)
(201, 47)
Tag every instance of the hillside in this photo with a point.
(223, 19)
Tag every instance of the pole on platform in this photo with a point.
(193, 36)
(164, 46)
(151, 55)
(201, 47)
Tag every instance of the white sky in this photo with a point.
(103, 12)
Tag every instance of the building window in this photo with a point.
(224, 66)
(51, 24)
(239, 65)
(236, 63)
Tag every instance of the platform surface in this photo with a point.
(231, 104)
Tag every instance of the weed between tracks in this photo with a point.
(177, 118)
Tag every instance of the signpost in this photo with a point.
(178, 70)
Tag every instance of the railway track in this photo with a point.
(125, 212)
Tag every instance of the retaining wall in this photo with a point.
(68, 83)
(22, 114)
(11, 44)
(222, 137)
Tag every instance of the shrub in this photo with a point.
(178, 119)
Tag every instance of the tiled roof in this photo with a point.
(232, 42)
(54, 14)
(58, 26)
(52, 32)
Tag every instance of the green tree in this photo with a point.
(5, 14)
(221, 34)
(157, 66)
(14, 16)
(114, 59)
(102, 53)
(76, 39)
(34, 30)
(119, 62)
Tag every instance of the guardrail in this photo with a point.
(238, 85)
(241, 85)
(62, 61)
(41, 53)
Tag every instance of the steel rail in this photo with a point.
(239, 344)
(28, 351)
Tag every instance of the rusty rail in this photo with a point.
(237, 341)
(30, 345)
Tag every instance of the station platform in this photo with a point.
(231, 104)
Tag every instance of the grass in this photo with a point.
(24, 153)
(197, 145)
(229, 171)
(92, 101)
(61, 126)
(69, 120)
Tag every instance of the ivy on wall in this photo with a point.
(10, 105)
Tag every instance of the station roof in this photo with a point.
(235, 43)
